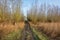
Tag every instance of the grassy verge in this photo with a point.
(13, 35)
(39, 35)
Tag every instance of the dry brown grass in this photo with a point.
(51, 29)
(6, 28)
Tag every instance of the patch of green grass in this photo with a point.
(39, 35)
(36, 37)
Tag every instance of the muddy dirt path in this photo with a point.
(27, 33)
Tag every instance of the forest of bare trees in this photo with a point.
(10, 10)
(44, 13)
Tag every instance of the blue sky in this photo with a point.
(27, 4)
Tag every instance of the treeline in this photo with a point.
(10, 11)
(43, 13)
